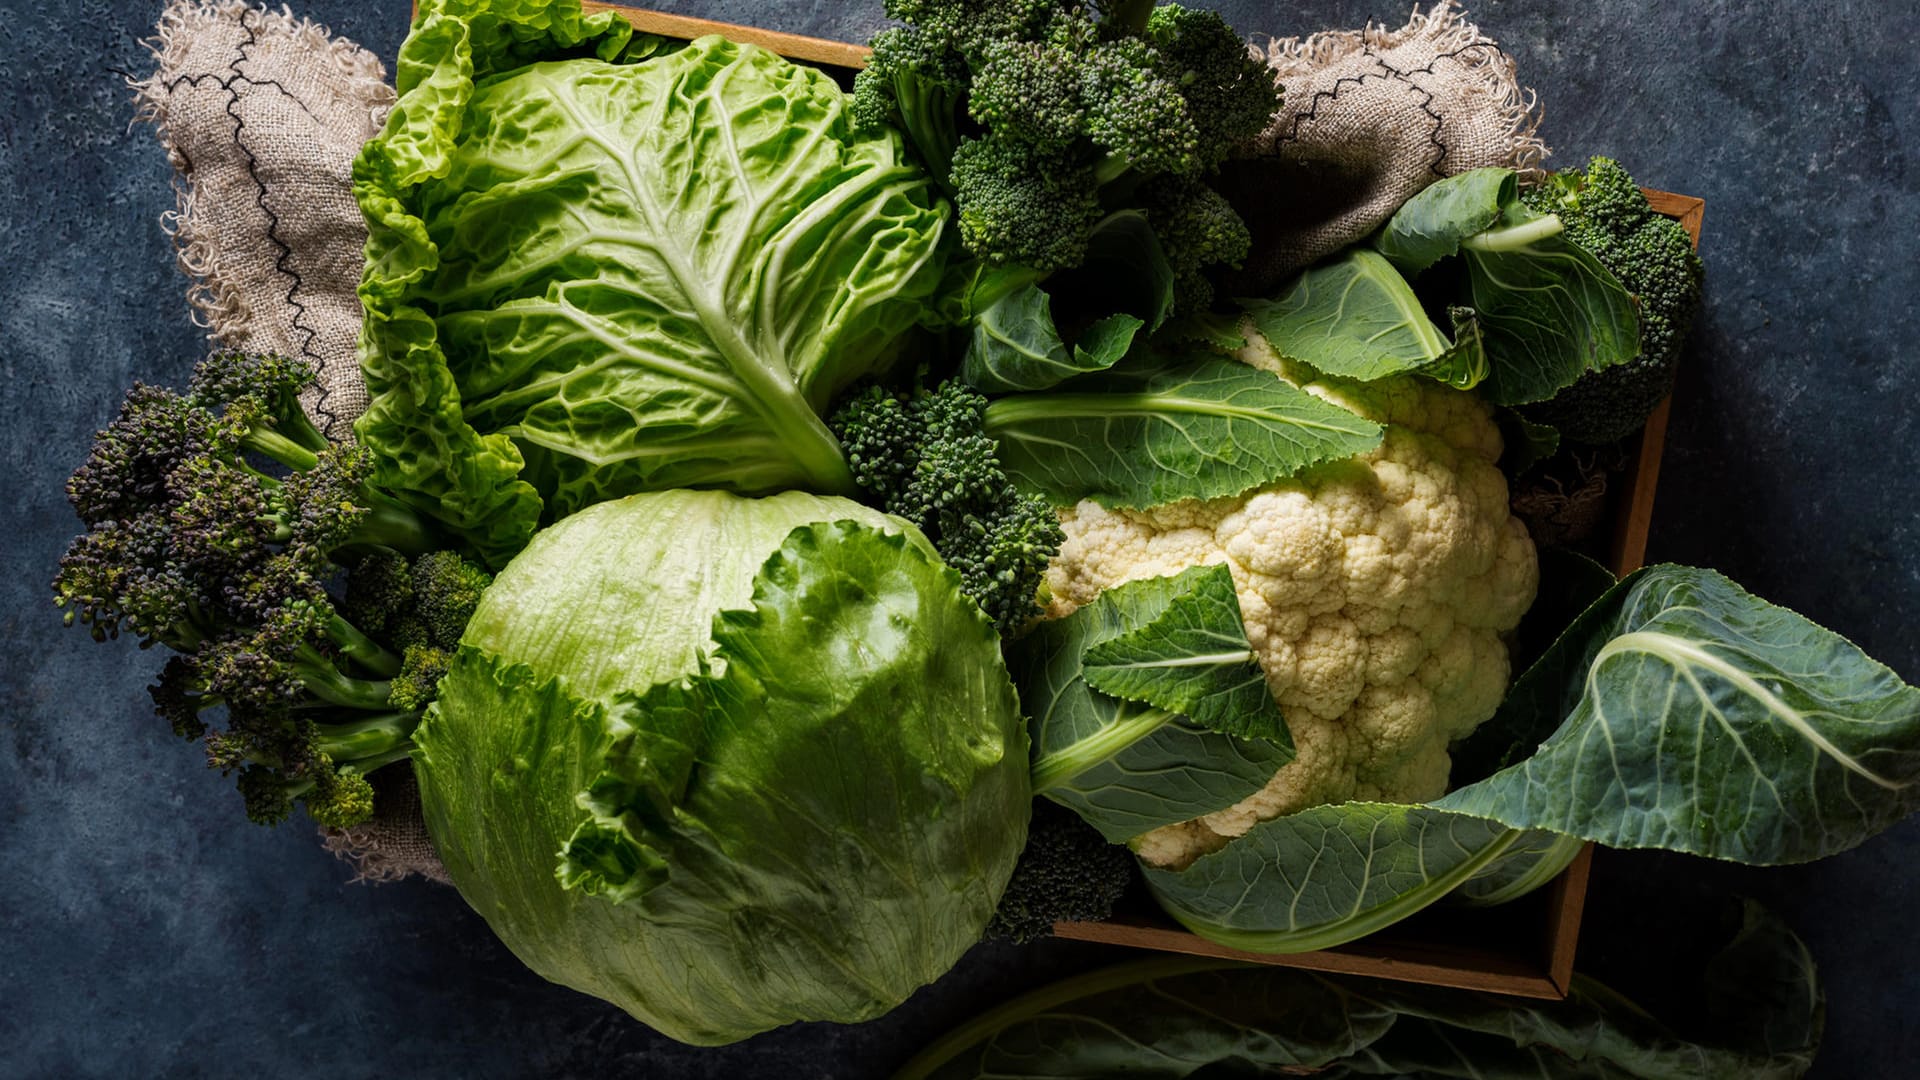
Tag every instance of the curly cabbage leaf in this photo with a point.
(729, 763)
(587, 278)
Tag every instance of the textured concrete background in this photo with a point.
(145, 928)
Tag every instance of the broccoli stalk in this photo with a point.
(216, 520)
(1043, 117)
(1606, 213)
(925, 456)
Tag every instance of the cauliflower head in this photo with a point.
(1375, 593)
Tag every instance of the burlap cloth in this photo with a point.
(261, 114)
(1371, 117)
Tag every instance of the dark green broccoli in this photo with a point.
(1606, 213)
(1068, 872)
(216, 522)
(1043, 117)
(924, 456)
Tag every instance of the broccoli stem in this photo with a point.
(362, 740)
(1515, 237)
(362, 649)
(1110, 168)
(392, 524)
(280, 448)
(295, 424)
(328, 684)
(927, 113)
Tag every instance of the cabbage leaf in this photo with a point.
(729, 763)
(587, 278)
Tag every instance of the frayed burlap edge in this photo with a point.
(1445, 27)
(218, 304)
(393, 845)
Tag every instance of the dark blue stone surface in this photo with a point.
(145, 929)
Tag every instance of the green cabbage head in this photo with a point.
(597, 265)
(729, 762)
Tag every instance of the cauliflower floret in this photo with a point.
(1375, 592)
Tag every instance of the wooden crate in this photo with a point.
(1524, 948)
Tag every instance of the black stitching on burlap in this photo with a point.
(234, 77)
(1392, 74)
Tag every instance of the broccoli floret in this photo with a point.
(1022, 205)
(1042, 118)
(1067, 873)
(924, 456)
(1230, 93)
(1606, 213)
(446, 590)
(1198, 228)
(418, 683)
(216, 521)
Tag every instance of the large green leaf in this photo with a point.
(1131, 766)
(586, 279)
(1431, 225)
(1545, 309)
(1354, 316)
(1327, 875)
(1756, 1013)
(1016, 347)
(1196, 430)
(1699, 718)
(1549, 313)
(1678, 712)
(1123, 286)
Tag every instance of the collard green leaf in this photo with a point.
(1128, 767)
(1193, 659)
(1221, 333)
(1464, 365)
(1172, 1018)
(1124, 285)
(1550, 313)
(1327, 875)
(1547, 312)
(1699, 718)
(1016, 347)
(1431, 225)
(586, 279)
(1677, 712)
(1197, 430)
(1533, 860)
(1354, 316)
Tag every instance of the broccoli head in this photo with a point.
(1041, 118)
(1606, 213)
(925, 456)
(217, 521)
